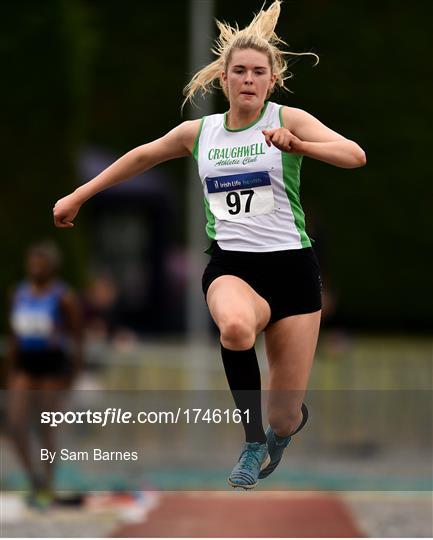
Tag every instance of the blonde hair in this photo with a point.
(258, 35)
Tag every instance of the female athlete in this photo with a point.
(263, 274)
(44, 355)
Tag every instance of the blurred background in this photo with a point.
(84, 82)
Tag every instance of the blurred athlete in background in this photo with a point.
(263, 274)
(44, 355)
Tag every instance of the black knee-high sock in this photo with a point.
(243, 375)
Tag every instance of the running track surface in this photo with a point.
(245, 514)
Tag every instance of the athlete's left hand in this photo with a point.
(283, 139)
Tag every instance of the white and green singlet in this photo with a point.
(251, 190)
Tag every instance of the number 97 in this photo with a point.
(233, 200)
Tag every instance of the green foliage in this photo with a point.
(46, 56)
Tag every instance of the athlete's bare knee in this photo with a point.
(284, 422)
(237, 333)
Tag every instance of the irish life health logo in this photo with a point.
(236, 155)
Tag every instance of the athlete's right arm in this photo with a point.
(177, 143)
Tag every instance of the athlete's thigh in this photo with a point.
(230, 296)
(290, 347)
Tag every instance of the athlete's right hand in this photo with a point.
(65, 210)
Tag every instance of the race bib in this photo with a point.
(240, 195)
(32, 324)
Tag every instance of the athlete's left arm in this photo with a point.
(319, 142)
(72, 315)
(11, 349)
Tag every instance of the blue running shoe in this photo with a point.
(276, 444)
(253, 458)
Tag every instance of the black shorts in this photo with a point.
(288, 280)
(48, 363)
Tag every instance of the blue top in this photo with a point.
(36, 319)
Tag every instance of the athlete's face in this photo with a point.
(39, 268)
(248, 78)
